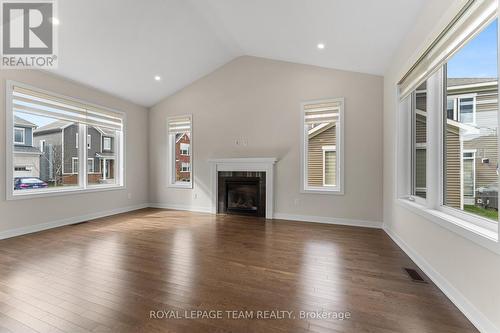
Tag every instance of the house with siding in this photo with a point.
(59, 142)
(471, 139)
(322, 155)
(26, 159)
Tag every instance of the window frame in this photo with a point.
(93, 165)
(457, 110)
(82, 187)
(73, 159)
(171, 176)
(89, 141)
(108, 139)
(326, 149)
(480, 230)
(337, 189)
(23, 130)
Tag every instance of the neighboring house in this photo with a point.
(471, 139)
(474, 102)
(59, 164)
(26, 161)
(183, 157)
(322, 155)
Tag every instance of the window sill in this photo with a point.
(53, 193)
(181, 185)
(481, 236)
(335, 191)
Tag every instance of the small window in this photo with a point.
(19, 135)
(107, 143)
(184, 147)
(90, 165)
(76, 140)
(329, 165)
(74, 165)
(89, 141)
(322, 146)
(42, 146)
(180, 154)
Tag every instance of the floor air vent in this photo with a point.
(414, 275)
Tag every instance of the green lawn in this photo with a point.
(488, 213)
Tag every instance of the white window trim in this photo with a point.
(333, 190)
(73, 159)
(480, 230)
(120, 144)
(188, 150)
(106, 139)
(76, 140)
(456, 107)
(171, 156)
(188, 167)
(24, 135)
(473, 158)
(327, 149)
(42, 145)
(93, 165)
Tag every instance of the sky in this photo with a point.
(478, 58)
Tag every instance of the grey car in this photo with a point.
(487, 196)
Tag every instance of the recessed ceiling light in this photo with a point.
(321, 46)
(157, 78)
(54, 20)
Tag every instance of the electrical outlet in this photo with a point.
(296, 201)
(196, 195)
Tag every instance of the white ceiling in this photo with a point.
(119, 45)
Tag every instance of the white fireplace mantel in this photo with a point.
(263, 164)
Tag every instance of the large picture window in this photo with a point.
(180, 138)
(54, 127)
(448, 119)
(322, 153)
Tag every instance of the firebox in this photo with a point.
(242, 193)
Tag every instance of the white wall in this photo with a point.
(467, 272)
(25, 215)
(259, 100)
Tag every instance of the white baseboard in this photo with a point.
(199, 209)
(71, 220)
(329, 220)
(482, 323)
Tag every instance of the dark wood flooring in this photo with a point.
(109, 274)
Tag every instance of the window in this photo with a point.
(419, 141)
(57, 123)
(460, 108)
(329, 165)
(180, 155)
(322, 130)
(184, 149)
(19, 135)
(42, 146)
(90, 165)
(447, 147)
(74, 165)
(107, 143)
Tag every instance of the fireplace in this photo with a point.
(242, 193)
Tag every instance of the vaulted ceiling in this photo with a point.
(118, 46)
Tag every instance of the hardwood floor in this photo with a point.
(109, 274)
